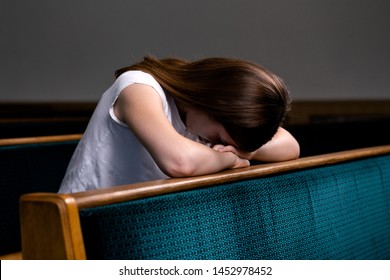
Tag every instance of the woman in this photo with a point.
(173, 118)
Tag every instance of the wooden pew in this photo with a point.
(30, 119)
(28, 164)
(331, 206)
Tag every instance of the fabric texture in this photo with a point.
(109, 154)
(335, 212)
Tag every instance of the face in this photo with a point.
(207, 129)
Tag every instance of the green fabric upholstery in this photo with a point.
(24, 169)
(334, 212)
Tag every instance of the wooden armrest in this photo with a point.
(55, 221)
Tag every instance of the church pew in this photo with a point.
(330, 206)
(28, 164)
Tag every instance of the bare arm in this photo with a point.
(140, 107)
(283, 146)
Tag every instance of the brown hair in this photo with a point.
(247, 99)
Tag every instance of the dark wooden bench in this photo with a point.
(31, 164)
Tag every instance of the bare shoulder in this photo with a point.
(136, 97)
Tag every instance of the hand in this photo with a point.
(240, 161)
(283, 146)
(234, 150)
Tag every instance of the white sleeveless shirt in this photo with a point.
(109, 154)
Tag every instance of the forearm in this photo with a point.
(282, 147)
(214, 161)
(201, 160)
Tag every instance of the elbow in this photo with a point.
(179, 171)
(290, 151)
(294, 151)
(179, 168)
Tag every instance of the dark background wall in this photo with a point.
(67, 50)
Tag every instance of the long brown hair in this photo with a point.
(247, 99)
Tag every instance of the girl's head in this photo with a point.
(247, 99)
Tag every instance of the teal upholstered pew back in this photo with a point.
(332, 206)
(339, 211)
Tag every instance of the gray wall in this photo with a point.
(55, 50)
